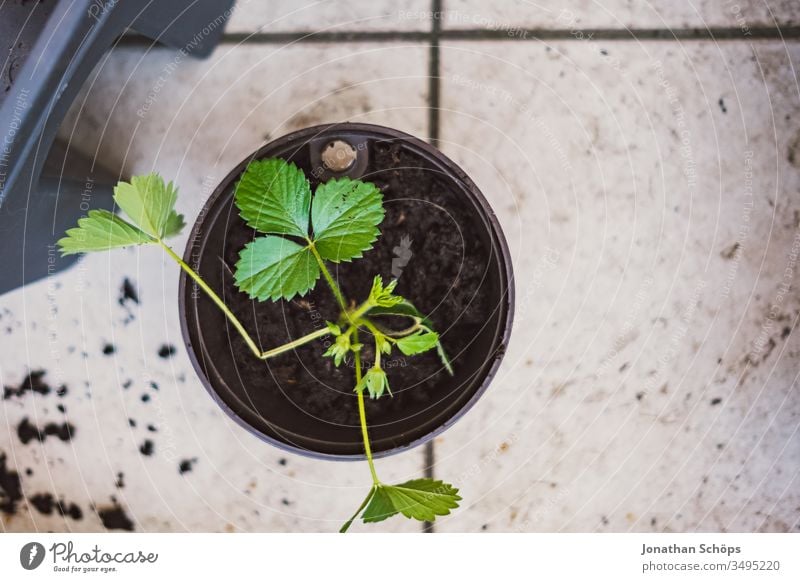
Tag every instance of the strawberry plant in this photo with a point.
(300, 233)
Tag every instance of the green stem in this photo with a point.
(377, 363)
(234, 320)
(360, 311)
(367, 499)
(215, 298)
(392, 333)
(371, 327)
(405, 332)
(362, 414)
(325, 273)
(323, 331)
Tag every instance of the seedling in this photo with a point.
(300, 233)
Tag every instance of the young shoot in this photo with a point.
(299, 235)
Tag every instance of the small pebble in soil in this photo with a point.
(45, 504)
(27, 432)
(10, 488)
(128, 292)
(33, 382)
(114, 517)
(147, 448)
(186, 465)
(166, 351)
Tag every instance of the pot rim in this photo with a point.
(301, 137)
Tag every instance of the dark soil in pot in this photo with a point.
(453, 267)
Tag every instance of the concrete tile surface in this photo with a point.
(195, 121)
(329, 16)
(650, 195)
(578, 15)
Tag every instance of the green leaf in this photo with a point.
(383, 296)
(418, 343)
(273, 267)
(443, 357)
(403, 308)
(333, 328)
(99, 231)
(345, 216)
(150, 204)
(421, 499)
(406, 309)
(375, 381)
(380, 507)
(367, 499)
(383, 345)
(174, 226)
(274, 197)
(338, 350)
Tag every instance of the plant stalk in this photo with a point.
(327, 274)
(371, 327)
(298, 342)
(367, 499)
(362, 414)
(361, 311)
(323, 331)
(234, 320)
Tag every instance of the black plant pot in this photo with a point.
(440, 239)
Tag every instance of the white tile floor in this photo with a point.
(649, 191)
(626, 400)
(578, 15)
(323, 15)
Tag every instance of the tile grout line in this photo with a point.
(625, 34)
(433, 133)
(719, 34)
